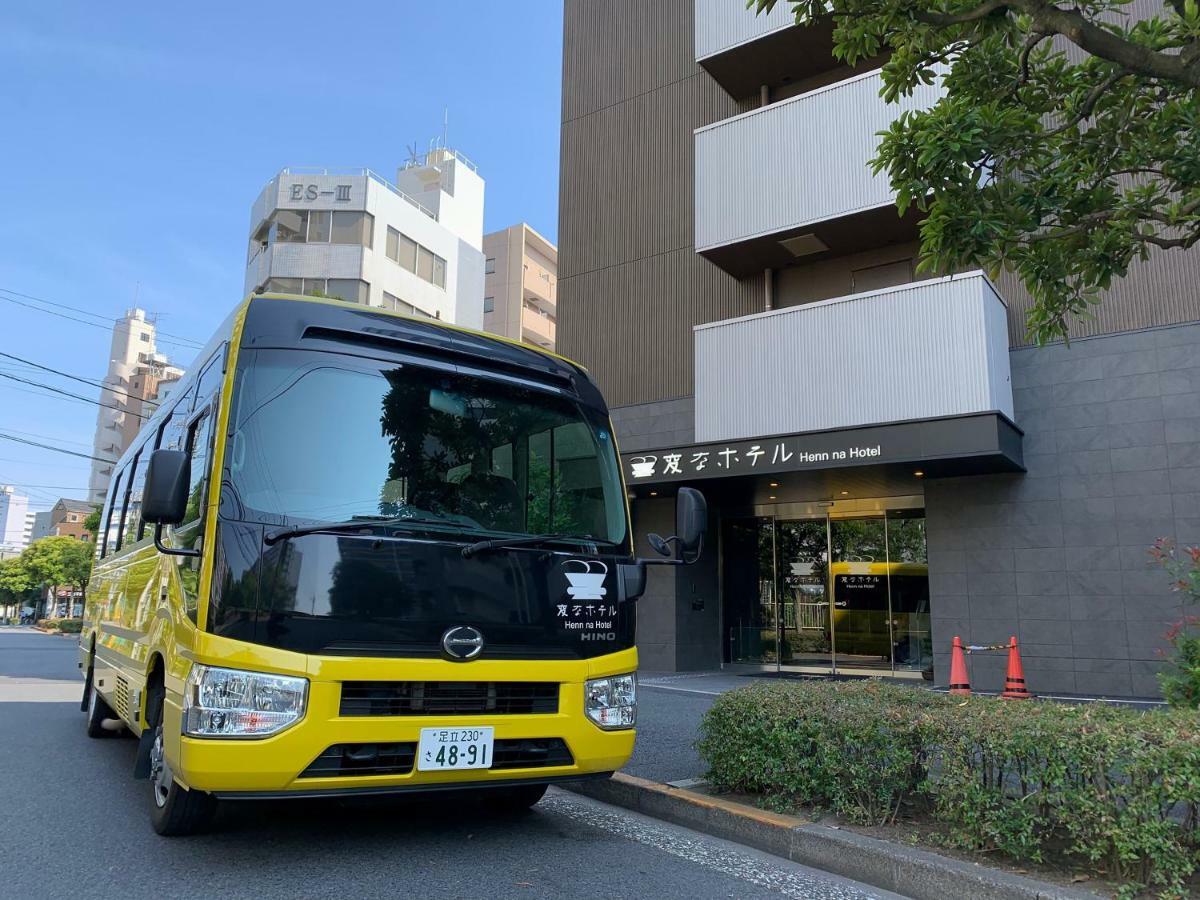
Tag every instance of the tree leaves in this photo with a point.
(1060, 165)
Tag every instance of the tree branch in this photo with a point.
(1086, 35)
(982, 11)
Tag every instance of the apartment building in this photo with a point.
(888, 461)
(68, 519)
(412, 246)
(520, 285)
(16, 519)
(138, 376)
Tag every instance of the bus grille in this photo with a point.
(531, 753)
(121, 698)
(353, 760)
(346, 760)
(448, 698)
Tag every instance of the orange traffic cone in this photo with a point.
(959, 684)
(1014, 680)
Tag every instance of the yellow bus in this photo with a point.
(354, 552)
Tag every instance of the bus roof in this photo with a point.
(266, 324)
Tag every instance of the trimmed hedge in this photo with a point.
(1110, 786)
(66, 626)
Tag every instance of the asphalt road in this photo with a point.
(74, 824)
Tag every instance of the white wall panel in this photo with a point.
(723, 24)
(796, 162)
(918, 351)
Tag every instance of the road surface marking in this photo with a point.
(711, 853)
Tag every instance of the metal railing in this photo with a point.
(418, 164)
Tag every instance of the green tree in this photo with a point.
(92, 523)
(59, 561)
(1064, 146)
(16, 587)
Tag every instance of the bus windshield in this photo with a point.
(318, 437)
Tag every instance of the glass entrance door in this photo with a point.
(802, 575)
(827, 594)
(859, 572)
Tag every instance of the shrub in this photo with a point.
(858, 749)
(1181, 682)
(69, 626)
(1115, 787)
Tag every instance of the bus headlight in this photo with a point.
(233, 703)
(612, 702)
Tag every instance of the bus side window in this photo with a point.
(174, 430)
(190, 532)
(199, 445)
(132, 531)
(112, 525)
(209, 383)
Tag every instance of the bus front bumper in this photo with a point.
(286, 764)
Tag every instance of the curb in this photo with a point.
(918, 874)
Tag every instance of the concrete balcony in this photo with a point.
(799, 169)
(539, 287)
(927, 350)
(536, 328)
(743, 51)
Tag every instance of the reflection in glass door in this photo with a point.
(859, 571)
(802, 573)
(827, 594)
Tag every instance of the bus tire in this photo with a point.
(515, 799)
(96, 708)
(174, 810)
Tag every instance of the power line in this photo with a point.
(78, 378)
(186, 343)
(55, 390)
(88, 312)
(45, 437)
(40, 487)
(9, 437)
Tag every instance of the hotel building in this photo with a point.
(888, 460)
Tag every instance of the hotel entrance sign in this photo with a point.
(978, 438)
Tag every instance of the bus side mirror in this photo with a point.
(691, 521)
(164, 499)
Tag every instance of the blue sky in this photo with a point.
(134, 137)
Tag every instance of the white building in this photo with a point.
(414, 246)
(16, 521)
(138, 375)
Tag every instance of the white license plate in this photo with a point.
(455, 748)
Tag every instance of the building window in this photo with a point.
(144, 337)
(291, 226)
(353, 290)
(439, 271)
(402, 249)
(318, 226)
(489, 267)
(352, 228)
(286, 285)
(489, 304)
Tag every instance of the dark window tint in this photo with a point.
(112, 523)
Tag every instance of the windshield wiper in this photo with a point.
(355, 524)
(521, 540)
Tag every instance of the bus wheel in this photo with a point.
(97, 710)
(515, 799)
(174, 810)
